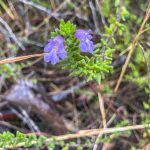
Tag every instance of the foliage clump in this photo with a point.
(90, 66)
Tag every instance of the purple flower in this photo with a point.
(54, 50)
(86, 45)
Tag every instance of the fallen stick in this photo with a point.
(88, 133)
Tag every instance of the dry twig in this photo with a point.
(92, 132)
(36, 6)
(12, 34)
(102, 110)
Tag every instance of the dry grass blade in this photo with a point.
(8, 11)
(20, 58)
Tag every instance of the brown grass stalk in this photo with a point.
(20, 58)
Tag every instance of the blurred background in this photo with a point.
(39, 97)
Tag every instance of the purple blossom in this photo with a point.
(55, 50)
(86, 45)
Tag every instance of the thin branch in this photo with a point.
(52, 2)
(7, 124)
(146, 61)
(100, 12)
(94, 17)
(28, 120)
(103, 114)
(102, 110)
(89, 133)
(52, 14)
(12, 34)
(92, 132)
(60, 95)
(36, 6)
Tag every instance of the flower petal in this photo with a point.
(48, 47)
(81, 34)
(83, 47)
(62, 55)
(47, 57)
(52, 56)
(62, 52)
(59, 39)
(55, 50)
(89, 37)
(90, 46)
(86, 45)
